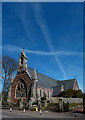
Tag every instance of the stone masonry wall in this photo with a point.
(70, 100)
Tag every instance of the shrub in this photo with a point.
(52, 107)
(43, 98)
(70, 93)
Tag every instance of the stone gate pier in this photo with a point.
(84, 104)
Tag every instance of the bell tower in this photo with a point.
(22, 62)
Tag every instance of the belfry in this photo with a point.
(22, 62)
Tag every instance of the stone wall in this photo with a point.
(64, 103)
(70, 100)
(75, 100)
(55, 99)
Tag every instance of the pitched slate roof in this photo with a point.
(43, 80)
(67, 84)
(56, 90)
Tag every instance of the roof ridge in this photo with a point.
(65, 80)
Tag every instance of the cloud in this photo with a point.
(55, 54)
(11, 48)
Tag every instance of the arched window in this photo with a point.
(48, 93)
(21, 90)
(40, 93)
(21, 60)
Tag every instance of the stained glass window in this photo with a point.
(21, 90)
(40, 93)
(48, 93)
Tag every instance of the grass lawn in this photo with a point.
(75, 104)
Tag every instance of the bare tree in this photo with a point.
(9, 66)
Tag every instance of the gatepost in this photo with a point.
(61, 104)
(84, 104)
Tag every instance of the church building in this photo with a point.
(30, 85)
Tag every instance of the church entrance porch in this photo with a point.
(22, 104)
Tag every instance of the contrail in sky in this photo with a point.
(11, 48)
(55, 54)
(45, 31)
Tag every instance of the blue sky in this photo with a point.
(51, 35)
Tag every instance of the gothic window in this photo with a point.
(48, 93)
(21, 90)
(21, 60)
(40, 93)
(32, 84)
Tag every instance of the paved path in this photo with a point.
(34, 114)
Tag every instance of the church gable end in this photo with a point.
(76, 87)
(20, 87)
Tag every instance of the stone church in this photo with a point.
(30, 85)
